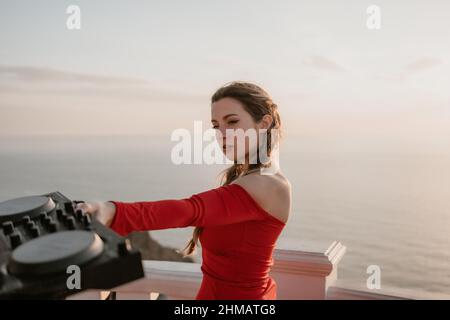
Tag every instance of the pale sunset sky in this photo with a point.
(149, 67)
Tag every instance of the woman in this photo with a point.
(238, 223)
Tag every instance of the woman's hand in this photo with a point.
(102, 211)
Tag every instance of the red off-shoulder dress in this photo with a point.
(238, 238)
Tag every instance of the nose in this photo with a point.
(223, 132)
(220, 135)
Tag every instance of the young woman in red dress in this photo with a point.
(238, 223)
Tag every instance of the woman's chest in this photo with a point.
(222, 238)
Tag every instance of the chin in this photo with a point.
(230, 155)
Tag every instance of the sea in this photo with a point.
(390, 209)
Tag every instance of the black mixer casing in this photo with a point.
(114, 265)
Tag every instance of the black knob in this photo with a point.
(47, 220)
(79, 214)
(30, 224)
(26, 219)
(52, 226)
(59, 213)
(70, 222)
(68, 206)
(34, 231)
(16, 239)
(8, 227)
(43, 215)
(64, 218)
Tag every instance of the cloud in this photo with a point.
(406, 71)
(37, 81)
(323, 63)
(46, 75)
(423, 64)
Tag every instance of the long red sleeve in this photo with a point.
(221, 206)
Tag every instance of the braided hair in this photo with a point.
(257, 102)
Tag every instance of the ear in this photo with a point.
(266, 121)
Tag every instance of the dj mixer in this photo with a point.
(45, 243)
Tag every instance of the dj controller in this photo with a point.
(45, 243)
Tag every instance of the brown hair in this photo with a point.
(257, 102)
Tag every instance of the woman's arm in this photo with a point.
(224, 205)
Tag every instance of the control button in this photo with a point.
(30, 224)
(68, 206)
(52, 226)
(47, 220)
(43, 215)
(26, 219)
(79, 214)
(59, 213)
(8, 227)
(34, 231)
(64, 218)
(70, 223)
(16, 239)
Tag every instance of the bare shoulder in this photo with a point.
(271, 192)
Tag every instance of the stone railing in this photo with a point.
(301, 272)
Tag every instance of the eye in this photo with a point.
(215, 127)
(233, 121)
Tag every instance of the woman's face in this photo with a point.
(229, 115)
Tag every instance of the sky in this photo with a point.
(149, 67)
